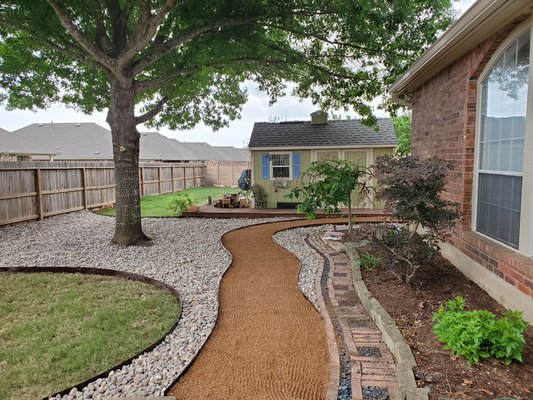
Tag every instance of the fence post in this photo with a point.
(193, 176)
(172, 178)
(84, 184)
(39, 202)
(184, 177)
(159, 180)
(142, 181)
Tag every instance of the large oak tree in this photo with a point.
(180, 62)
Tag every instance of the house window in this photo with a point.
(504, 92)
(281, 165)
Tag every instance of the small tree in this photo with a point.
(411, 190)
(329, 184)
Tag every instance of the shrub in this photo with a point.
(478, 334)
(181, 203)
(411, 189)
(368, 261)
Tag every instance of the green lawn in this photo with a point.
(158, 206)
(57, 330)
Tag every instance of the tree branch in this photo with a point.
(163, 49)
(152, 113)
(145, 30)
(103, 40)
(90, 48)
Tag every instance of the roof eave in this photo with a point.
(480, 21)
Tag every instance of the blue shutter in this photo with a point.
(266, 166)
(296, 165)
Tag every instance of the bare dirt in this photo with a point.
(447, 376)
(269, 341)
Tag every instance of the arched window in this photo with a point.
(501, 145)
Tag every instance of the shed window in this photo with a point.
(504, 94)
(281, 165)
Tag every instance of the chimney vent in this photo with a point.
(319, 117)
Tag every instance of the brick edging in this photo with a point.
(405, 362)
(335, 369)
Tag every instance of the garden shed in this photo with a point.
(282, 152)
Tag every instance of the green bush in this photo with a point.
(181, 203)
(478, 334)
(368, 261)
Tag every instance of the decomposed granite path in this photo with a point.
(269, 341)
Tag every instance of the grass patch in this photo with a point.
(158, 206)
(57, 330)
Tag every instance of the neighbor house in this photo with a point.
(471, 95)
(14, 148)
(282, 152)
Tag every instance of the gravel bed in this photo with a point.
(294, 241)
(186, 254)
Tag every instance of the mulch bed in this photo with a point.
(447, 376)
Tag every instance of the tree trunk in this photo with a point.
(121, 119)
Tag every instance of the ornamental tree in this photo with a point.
(411, 190)
(329, 185)
(180, 62)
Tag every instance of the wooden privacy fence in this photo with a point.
(34, 190)
(225, 173)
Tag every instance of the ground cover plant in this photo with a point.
(160, 206)
(58, 330)
(447, 375)
(478, 334)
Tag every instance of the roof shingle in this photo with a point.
(334, 133)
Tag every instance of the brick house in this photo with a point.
(471, 96)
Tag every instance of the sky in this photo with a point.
(256, 109)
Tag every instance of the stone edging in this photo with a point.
(405, 362)
(104, 272)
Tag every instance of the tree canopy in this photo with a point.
(180, 62)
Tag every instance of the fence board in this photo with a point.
(32, 190)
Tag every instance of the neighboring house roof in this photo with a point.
(229, 153)
(90, 141)
(14, 145)
(479, 22)
(72, 141)
(155, 146)
(302, 134)
(203, 151)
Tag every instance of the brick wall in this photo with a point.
(444, 125)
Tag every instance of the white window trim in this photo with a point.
(271, 166)
(525, 245)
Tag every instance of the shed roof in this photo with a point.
(340, 133)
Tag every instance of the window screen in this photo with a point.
(501, 145)
(280, 165)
